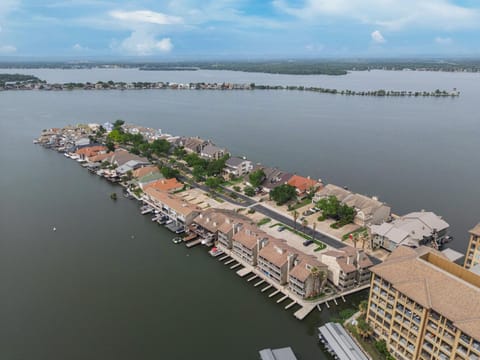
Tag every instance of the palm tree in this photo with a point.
(305, 224)
(364, 238)
(363, 329)
(295, 217)
(355, 239)
(318, 280)
(363, 306)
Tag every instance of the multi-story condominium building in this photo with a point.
(347, 267)
(273, 261)
(236, 166)
(369, 209)
(175, 208)
(414, 229)
(245, 243)
(307, 277)
(218, 225)
(425, 306)
(472, 256)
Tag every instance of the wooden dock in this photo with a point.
(302, 313)
(235, 266)
(281, 299)
(252, 278)
(274, 293)
(243, 272)
(229, 261)
(224, 257)
(290, 305)
(266, 288)
(259, 283)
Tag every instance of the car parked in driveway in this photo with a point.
(280, 228)
(307, 242)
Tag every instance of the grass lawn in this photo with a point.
(359, 231)
(302, 203)
(264, 221)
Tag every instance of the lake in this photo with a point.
(109, 284)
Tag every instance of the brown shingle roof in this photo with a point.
(437, 284)
(172, 201)
(476, 230)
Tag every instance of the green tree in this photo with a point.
(249, 191)
(169, 173)
(283, 193)
(160, 147)
(110, 146)
(118, 124)
(213, 182)
(256, 178)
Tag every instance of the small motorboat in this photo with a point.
(215, 252)
(177, 240)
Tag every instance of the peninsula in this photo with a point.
(32, 83)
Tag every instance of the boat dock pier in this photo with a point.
(305, 306)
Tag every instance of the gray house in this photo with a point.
(413, 230)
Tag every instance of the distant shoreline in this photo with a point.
(284, 67)
(31, 83)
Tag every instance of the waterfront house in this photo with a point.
(414, 229)
(99, 158)
(347, 267)
(89, 152)
(122, 156)
(145, 170)
(273, 177)
(236, 166)
(304, 185)
(424, 306)
(175, 208)
(129, 166)
(166, 185)
(368, 210)
(212, 152)
(193, 144)
(149, 178)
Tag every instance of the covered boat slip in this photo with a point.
(277, 354)
(339, 343)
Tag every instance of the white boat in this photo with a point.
(67, 154)
(177, 240)
(215, 252)
(168, 222)
(74, 156)
(146, 211)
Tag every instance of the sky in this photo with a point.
(255, 29)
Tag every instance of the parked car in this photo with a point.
(307, 242)
(280, 228)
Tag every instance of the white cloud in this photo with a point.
(443, 40)
(80, 48)
(377, 37)
(7, 49)
(142, 43)
(146, 16)
(389, 14)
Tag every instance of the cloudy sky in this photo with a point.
(239, 28)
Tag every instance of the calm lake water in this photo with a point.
(109, 284)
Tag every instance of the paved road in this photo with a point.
(332, 242)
